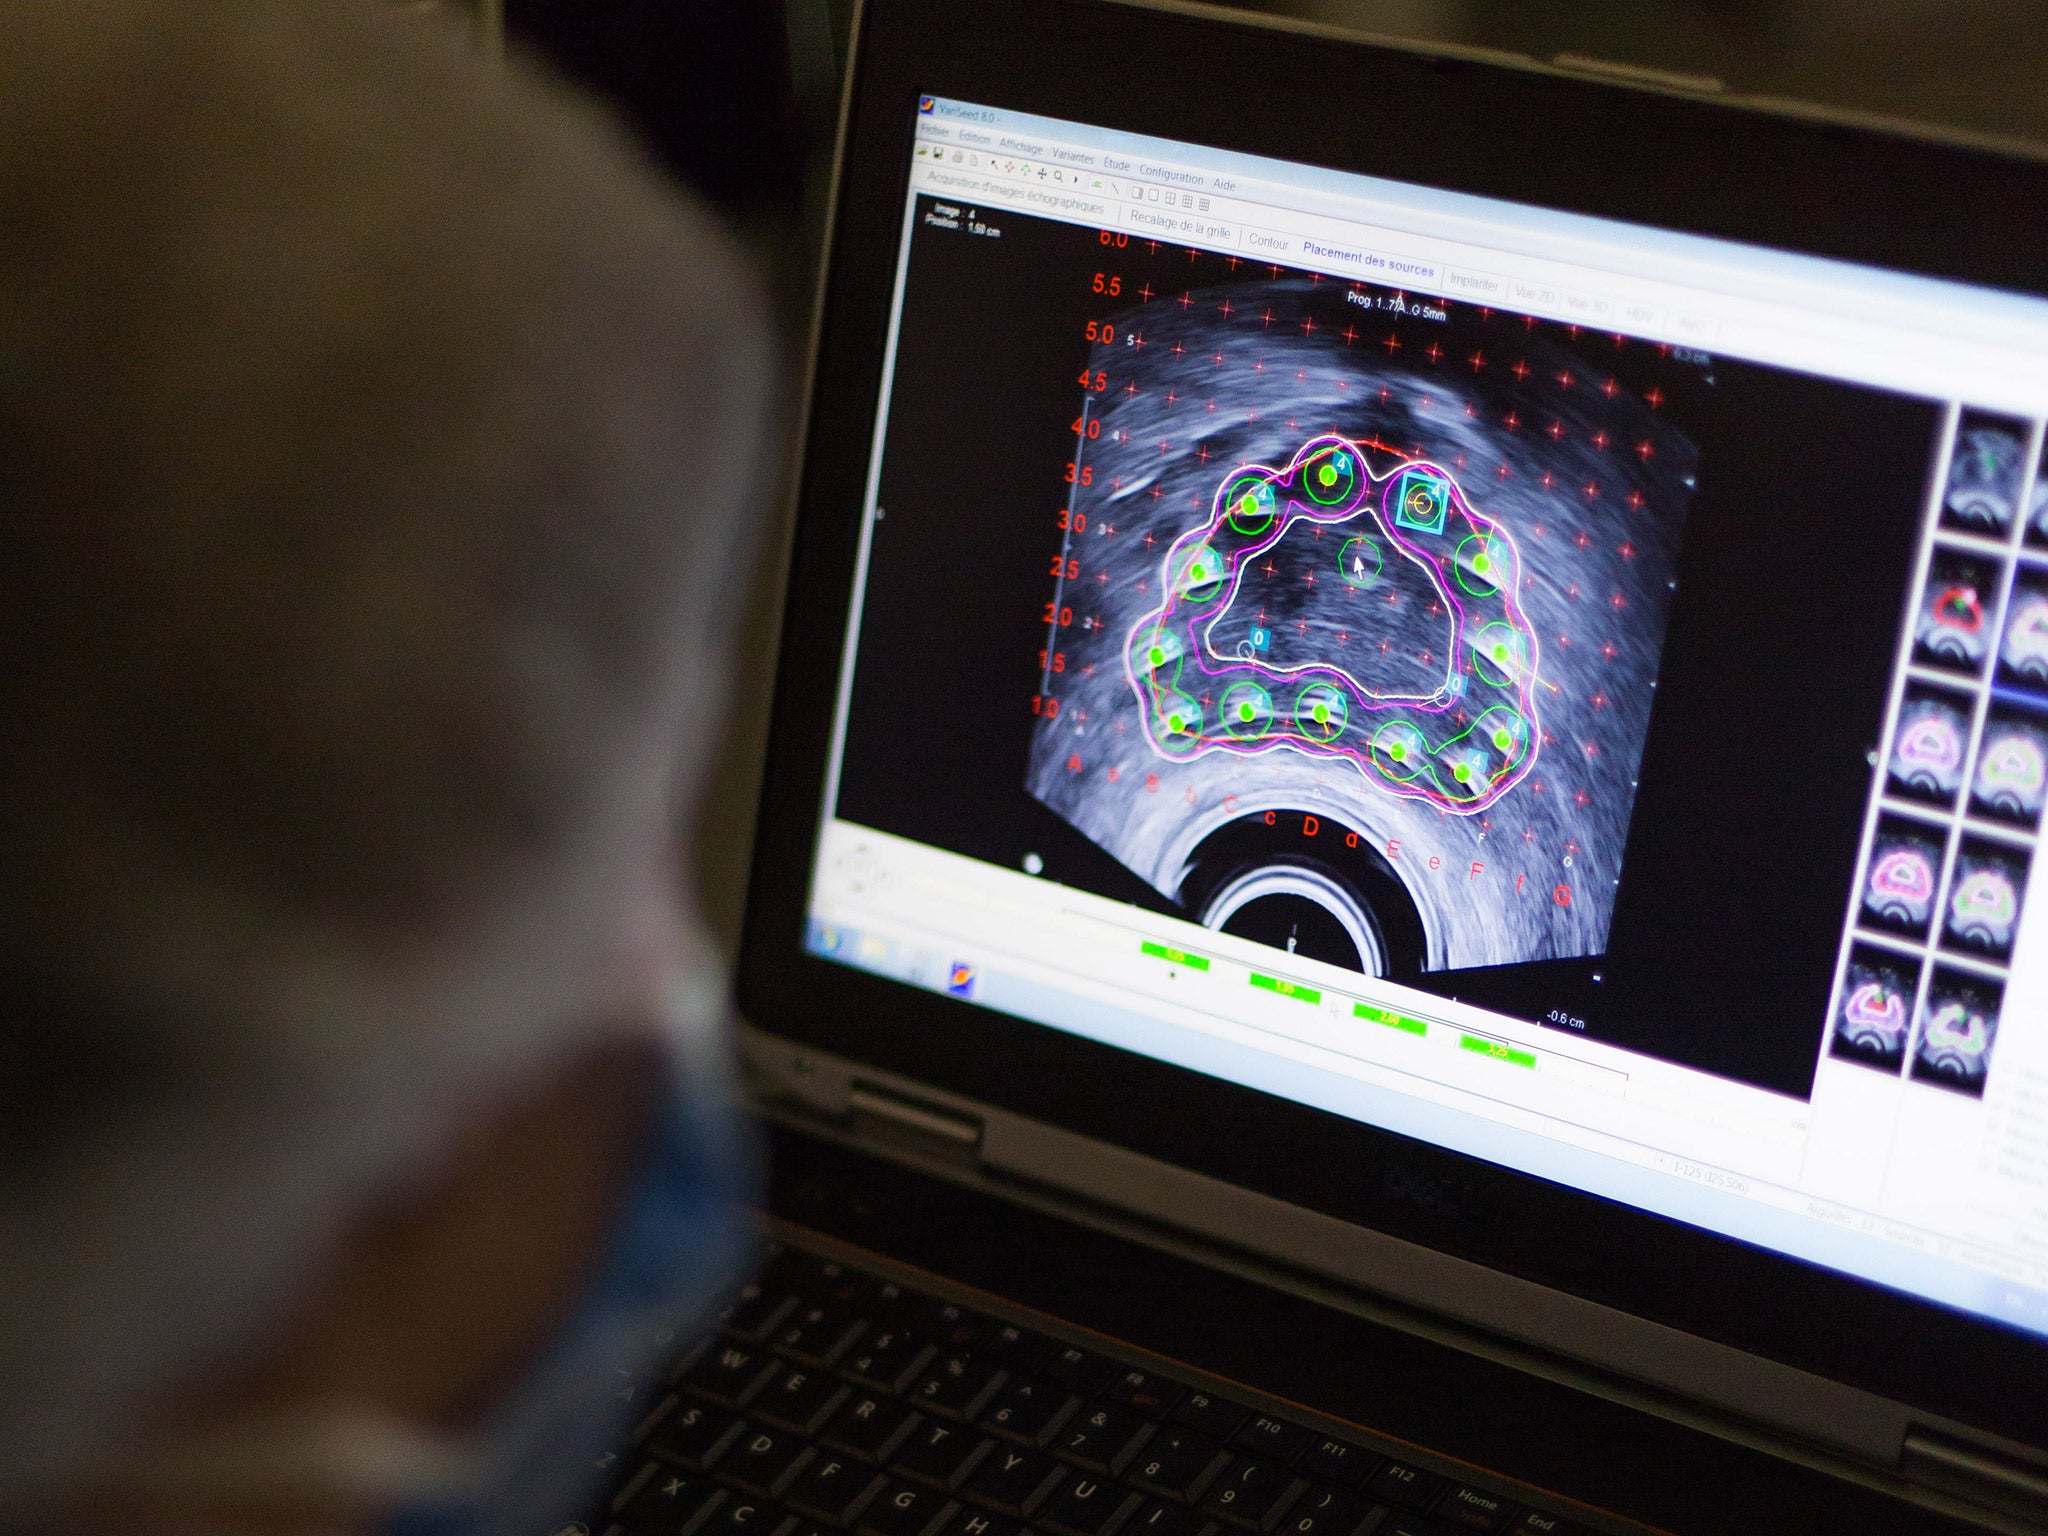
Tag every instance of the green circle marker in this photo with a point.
(1321, 713)
(1251, 505)
(1245, 711)
(1474, 566)
(1462, 772)
(1327, 474)
(1173, 720)
(1502, 740)
(1156, 655)
(1398, 752)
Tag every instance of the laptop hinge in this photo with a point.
(1973, 1473)
(917, 1125)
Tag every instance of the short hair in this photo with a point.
(377, 437)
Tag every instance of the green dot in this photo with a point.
(1173, 721)
(1503, 740)
(1196, 571)
(1248, 506)
(1322, 714)
(1461, 773)
(1327, 474)
(1482, 564)
(1397, 752)
(1244, 711)
(1500, 653)
(1157, 655)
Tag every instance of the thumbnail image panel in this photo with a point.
(1899, 883)
(1984, 898)
(2023, 647)
(1876, 1011)
(1952, 630)
(1926, 761)
(2011, 782)
(1985, 475)
(1958, 1024)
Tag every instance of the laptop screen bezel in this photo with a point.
(1696, 165)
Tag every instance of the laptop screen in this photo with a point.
(1568, 692)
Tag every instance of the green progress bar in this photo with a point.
(1175, 956)
(1293, 989)
(1496, 1050)
(1406, 1023)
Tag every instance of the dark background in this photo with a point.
(1742, 849)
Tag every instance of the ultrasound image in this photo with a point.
(1904, 873)
(1984, 898)
(1952, 629)
(1876, 1010)
(2023, 644)
(1926, 760)
(2011, 783)
(1958, 1027)
(1985, 474)
(1447, 681)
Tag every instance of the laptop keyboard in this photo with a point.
(837, 1403)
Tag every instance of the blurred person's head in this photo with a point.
(376, 436)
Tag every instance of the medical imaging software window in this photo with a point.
(1544, 719)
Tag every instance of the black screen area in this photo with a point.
(1665, 868)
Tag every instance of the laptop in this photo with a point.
(1396, 889)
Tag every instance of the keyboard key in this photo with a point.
(902, 1510)
(887, 1359)
(1216, 1417)
(957, 1385)
(1536, 1523)
(890, 1305)
(1143, 1393)
(694, 1435)
(816, 1334)
(1012, 1481)
(1322, 1512)
(730, 1373)
(939, 1454)
(1157, 1519)
(1177, 1464)
(1274, 1439)
(1405, 1487)
(754, 1310)
(1100, 1439)
(1076, 1368)
(761, 1458)
(1252, 1493)
(1028, 1411)
(798, 1398)
(808, 1275)
(868, 1427)
(1018, 1348)
(1473, 1509)
(849, 1289)
(659, 1499)
(1086, 1505)
(1336, 1461)
(973, 1522)
(741, 1514)
(832, 1488)
(954, 1327)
